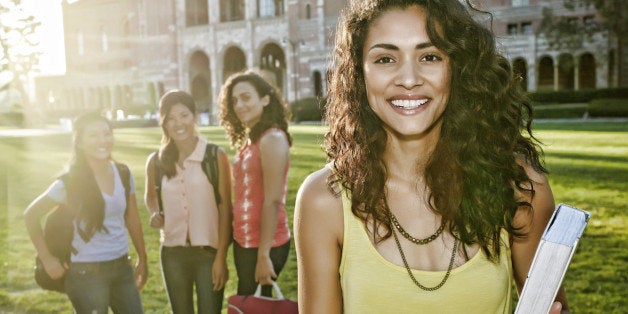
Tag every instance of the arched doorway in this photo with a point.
(546, 74)
(566, 70)
(586, 71)
(273, 60)
(234, 61)
(200, 81)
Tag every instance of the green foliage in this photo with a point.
(577, 96)
(559, 111)
(609, 107)
(308, 109)
(588, 164)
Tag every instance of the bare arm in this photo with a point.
(275, 155)
(134, 226)
(150, 195)
(318, 231)
(533, 222)
(220, 272)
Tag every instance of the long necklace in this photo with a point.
(412, 239)
(417, 283)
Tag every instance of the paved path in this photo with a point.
(29, 132)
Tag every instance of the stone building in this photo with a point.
(122, 55)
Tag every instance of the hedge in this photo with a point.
(578, 96)
(308, 109)
(609, 107)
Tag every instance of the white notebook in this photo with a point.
(552, 258)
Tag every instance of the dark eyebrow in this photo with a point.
(393, 47)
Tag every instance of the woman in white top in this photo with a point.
(99, 274)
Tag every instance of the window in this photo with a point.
(308, 11)
(231, 10)
(512, 29)
(196, 12)
(526, 28)
(267, 8)
(589, 22)
(103, 40)
(80, 42)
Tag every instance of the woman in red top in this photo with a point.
(254, 116)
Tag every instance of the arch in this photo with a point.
(273, 60)
(566, 70)
(546, 73)
(200, 81)
(234, 61)
(586, 71)
(318, 83)
(520, 70)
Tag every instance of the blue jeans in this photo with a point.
(245, 260)
(183, 267)
(94, 287)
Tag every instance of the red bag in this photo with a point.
(258, 304)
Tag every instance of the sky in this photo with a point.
(48, 12)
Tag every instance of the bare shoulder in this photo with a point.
(273, 135)
(541, 199)
(317, 204)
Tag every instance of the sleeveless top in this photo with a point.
(249, 198)
(372, 284)
(190, 210)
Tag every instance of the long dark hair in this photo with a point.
(169, 153)
(472, 173)
(275, 114)
(83, 194)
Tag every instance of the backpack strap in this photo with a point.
(125, 175)
(154, 160)
(210, 167)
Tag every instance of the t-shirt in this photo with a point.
(103, 245)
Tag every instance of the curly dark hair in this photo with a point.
(473, 172)
(168, 152)
(275, 114)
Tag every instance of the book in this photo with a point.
(552, 259)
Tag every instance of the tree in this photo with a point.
(19, 53)
(565, 32)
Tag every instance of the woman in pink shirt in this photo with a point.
(255, 118)
(195, 225)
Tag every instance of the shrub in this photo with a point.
(559, 111)
(308, 109)
(609, 107)
(579, 96)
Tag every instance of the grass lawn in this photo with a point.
(588, 164)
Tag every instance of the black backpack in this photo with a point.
(209, 164)
(58, 232)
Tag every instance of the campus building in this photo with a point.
(122, 55)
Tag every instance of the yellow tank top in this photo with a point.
(372, 284)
